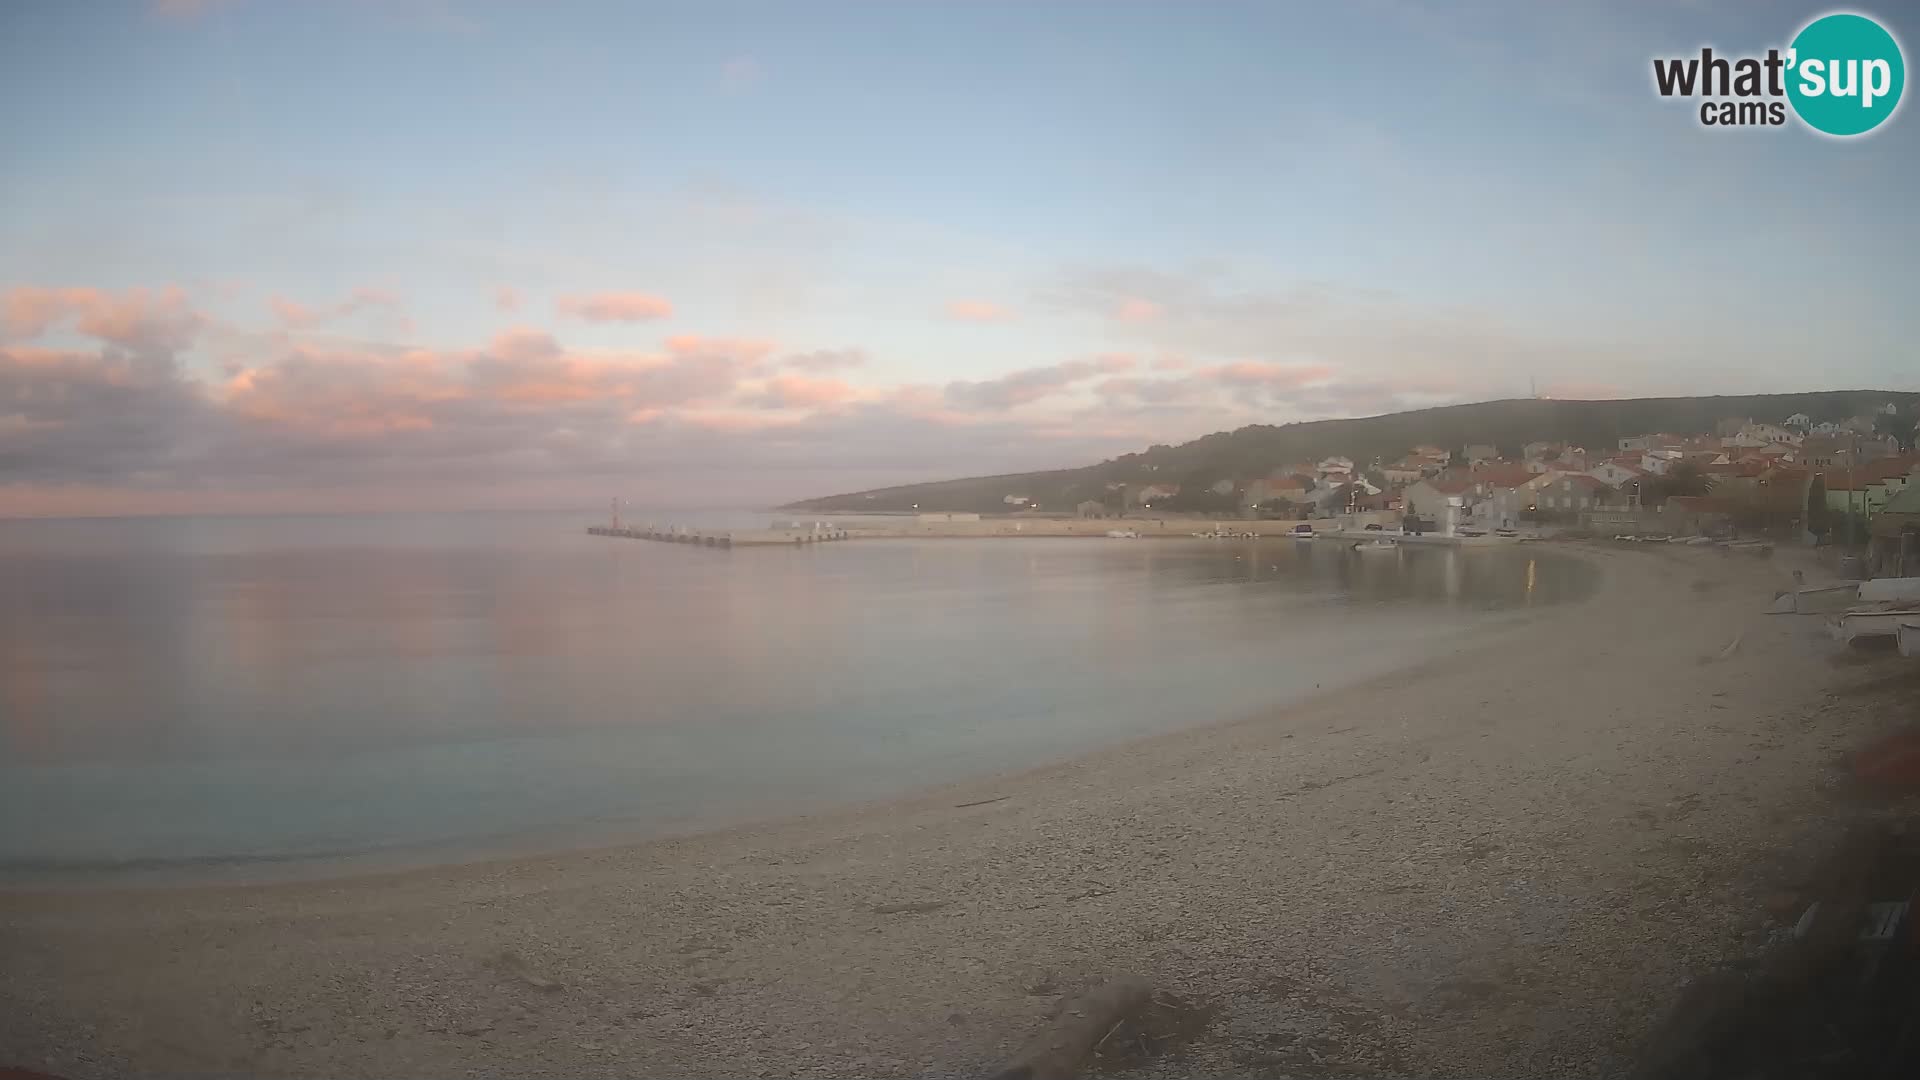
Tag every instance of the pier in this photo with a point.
(729, 539)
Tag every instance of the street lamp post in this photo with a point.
(1850, 459)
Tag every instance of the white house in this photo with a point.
(1800, 421)
(1334, 471)
(1404, 471)
(1570, 493)
(1772, 433)
(1441, 501)
(1572, 459)
(1615, 475)
(1658, 462)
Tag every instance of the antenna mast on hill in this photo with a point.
(1533, 387)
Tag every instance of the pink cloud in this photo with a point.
(505, 298)
(827, 360)
(977, 311)
(1133, 309)
(1170, 362)
(524, 343)
(1152, 391)
(800, 392)
(750, 353)
(523, 372)
(526, 366)
(1032, 384)
(1263, 373)
(293, 313)
(616, 307)
(69, 365)
(136, 319)
(344, 393)
(729, 422)
(298, 316)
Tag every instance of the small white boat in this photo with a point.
(1377, 545)
(1122, 534)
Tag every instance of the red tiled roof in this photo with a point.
(1503, 475)
(1583, 481)
(1856, 479)
(1840, 481)
(1892, 466)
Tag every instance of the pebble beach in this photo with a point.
(1505, 861)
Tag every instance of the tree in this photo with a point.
(1820, 517)
(1280, 510)
(1683, 478)
(1894, 424)
(1198, 497)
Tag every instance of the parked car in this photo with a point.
(1375, 527)
(1302, 529)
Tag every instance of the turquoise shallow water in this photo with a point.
(226, 695)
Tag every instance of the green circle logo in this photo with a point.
(1845, 74)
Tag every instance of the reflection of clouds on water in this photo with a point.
(200, 689)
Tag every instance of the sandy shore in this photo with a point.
(1502, 862)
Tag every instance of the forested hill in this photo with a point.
(1251, 452)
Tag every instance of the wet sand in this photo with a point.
(1505, 861)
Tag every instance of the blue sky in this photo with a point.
(1156, 219)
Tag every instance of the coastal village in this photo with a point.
(1798, 479)
(1848, 483)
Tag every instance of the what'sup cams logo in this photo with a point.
(1842, 76)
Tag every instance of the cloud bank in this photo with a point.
(141, 397)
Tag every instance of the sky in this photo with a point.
(270, 255)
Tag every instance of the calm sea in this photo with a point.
(255, 695)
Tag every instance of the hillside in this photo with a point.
(1251, 452)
